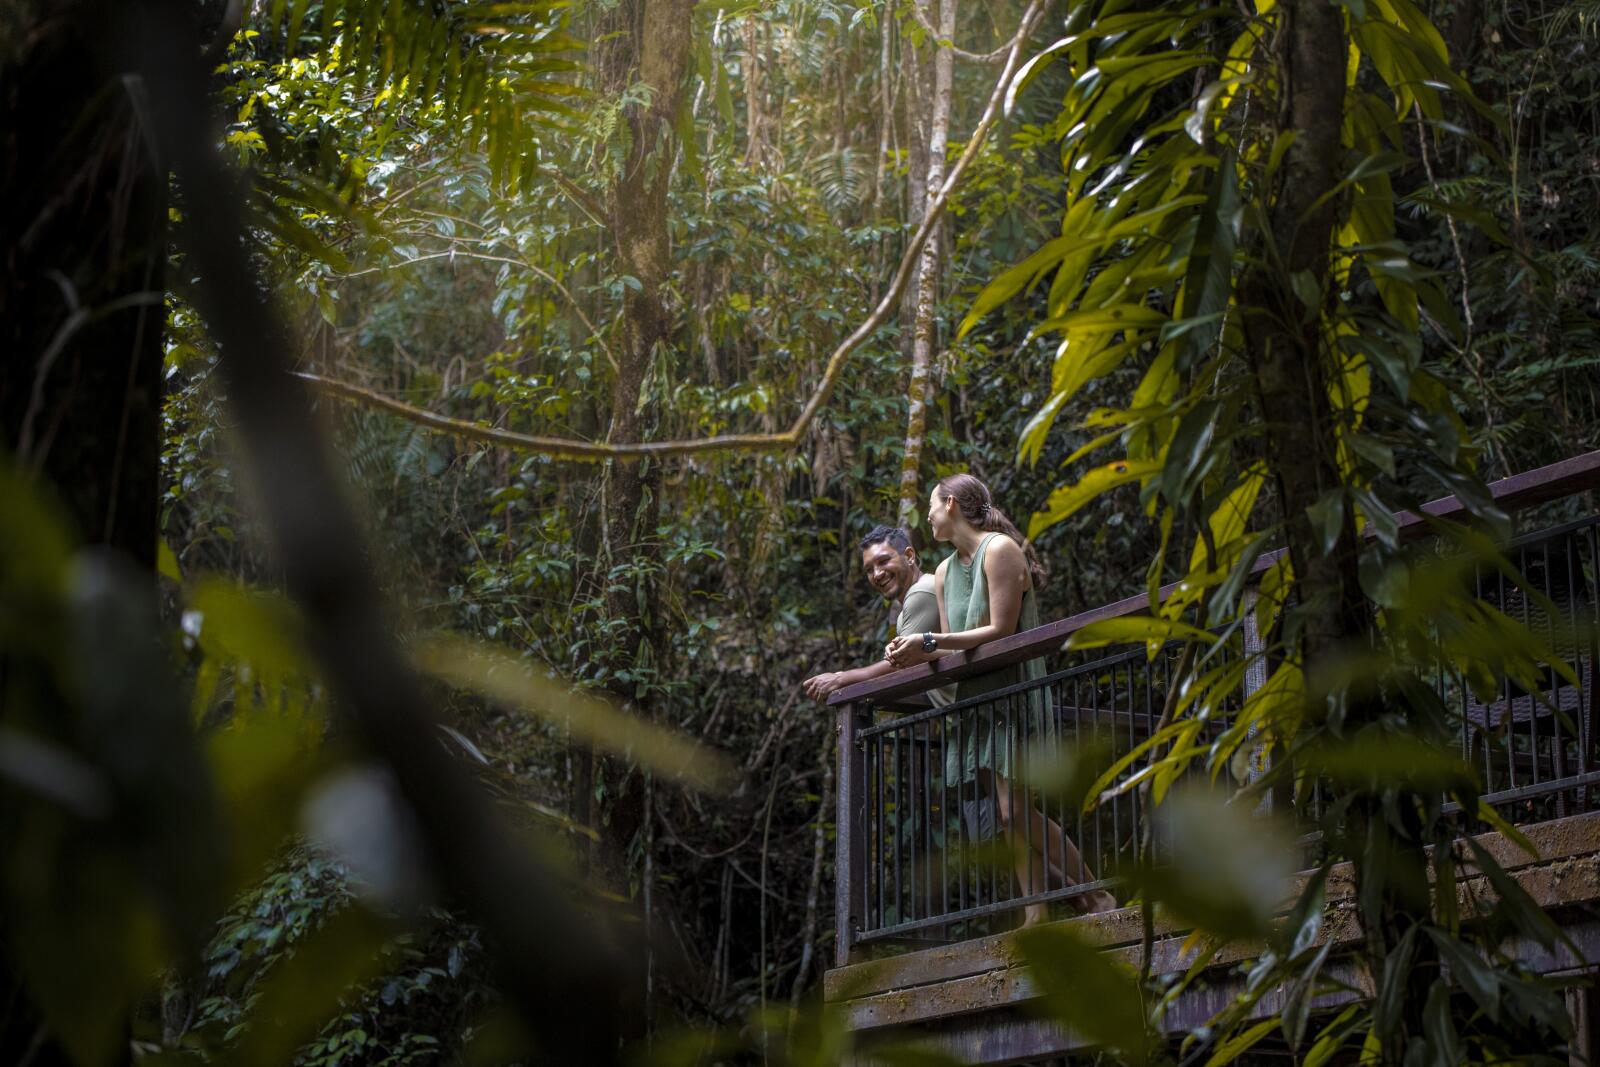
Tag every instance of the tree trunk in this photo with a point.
(651, 45)
(1285, 348)
(753, 123)
(1292, 369)
(885, 122)
(82, 248)
(84, 243)
(924, 325)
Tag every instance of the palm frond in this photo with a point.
(842, 178)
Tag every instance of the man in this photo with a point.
(892, 569)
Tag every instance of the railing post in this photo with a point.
(850, 897)
(1255, 676)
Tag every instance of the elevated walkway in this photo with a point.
(924, 905)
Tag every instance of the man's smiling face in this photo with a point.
(889, 570)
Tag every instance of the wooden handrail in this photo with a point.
(1566, 478)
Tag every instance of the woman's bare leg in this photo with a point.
(1026, 859)
(1043, 839)
(1066, 862)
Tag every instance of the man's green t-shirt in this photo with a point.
(919, 614)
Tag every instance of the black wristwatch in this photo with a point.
(928, 644)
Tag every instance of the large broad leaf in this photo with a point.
(1208, 284)
(1137, 628)
(1087, 990)
(1221, 867)
(1011, 281)
(1116, 317)
(1066, 501)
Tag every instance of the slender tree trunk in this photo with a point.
(1292, 366)
(915, 99)
(885, 121)
(753, 152)
(924, 324)
(650, 43)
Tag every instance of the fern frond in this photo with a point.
(492, 71)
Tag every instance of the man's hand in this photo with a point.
(905, 650)
(821, 686)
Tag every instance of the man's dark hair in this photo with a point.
(897, 538)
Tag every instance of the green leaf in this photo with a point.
(1116, 317)
(1012, 280)
(1208, 284)
(520, 684)
(1306, 290)
(1231, 1049)
(1131, 628)
(1500, 825)
(1333, 1036)
(1436, 1023)
(167, 562)
(1392, 985)
(1085, 988)
(1516, 903)
(1327, 518)
(1067, 500)
(1468, 971)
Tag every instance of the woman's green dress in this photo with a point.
(981, 739)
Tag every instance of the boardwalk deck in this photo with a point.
(970, 999)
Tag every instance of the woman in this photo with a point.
(986, 591)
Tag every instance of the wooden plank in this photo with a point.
(1555, 839)
(1570, 476)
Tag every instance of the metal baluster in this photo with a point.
(1050, 737)
(882, 856)
(1568, 545)
(944, 826)
(1013, 746)
(908, 819)
(927, 817)
(1467, 696)
(1586, 636)
(961, 793)
(1094, 738)
(1556, 761)
(994, 853)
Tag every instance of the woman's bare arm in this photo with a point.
(1005, 572)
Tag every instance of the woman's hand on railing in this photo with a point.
(906, 650)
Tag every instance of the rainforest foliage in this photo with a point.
(1212, 281)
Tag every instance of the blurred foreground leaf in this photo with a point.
(513, 681)
(1219, 866)
(1087, 990)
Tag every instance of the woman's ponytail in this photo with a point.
(978, 507)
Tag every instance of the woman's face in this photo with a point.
(939, 514)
